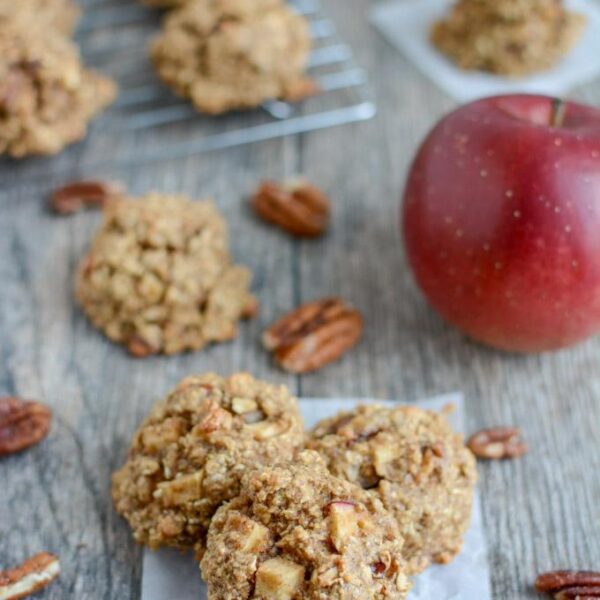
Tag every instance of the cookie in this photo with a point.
(159, 278)
(59, 14)
(47, 97)
(189, 455)
(234, 54)
(415, 464)
(297, 533)
(508, 37)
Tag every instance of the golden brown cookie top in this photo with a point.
(295, 532)
(160, 221)
(230, 54)
(415, 463)
(516, 10)
(59, 14)
(189, 455)
(47, 97)
(508, 37)
(159, 278)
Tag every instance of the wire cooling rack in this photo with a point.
(114, 36)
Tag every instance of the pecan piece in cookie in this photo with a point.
(23, 423)
(296, 206)
(34, 574)
(314, 335)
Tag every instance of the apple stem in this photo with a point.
(559, 108)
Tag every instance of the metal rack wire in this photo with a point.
(113, 36)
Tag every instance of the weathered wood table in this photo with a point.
(541, 512)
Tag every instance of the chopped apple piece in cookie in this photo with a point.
(264, 430)
(242, 406)
(258, 537)
(383, 456)
(278, 579)
(180, 491)
(343, 523)
(296, 532)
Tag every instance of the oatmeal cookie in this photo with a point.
(411, 460)
(189, 455)
(159, 278)
(234, 54)
(297, 533)
(508, 37)
(47, 97)
(60, 14)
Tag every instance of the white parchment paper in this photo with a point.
(170, 575)
(406, 24)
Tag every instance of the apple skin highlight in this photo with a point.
(501, 221)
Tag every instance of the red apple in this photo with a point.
(501, 221)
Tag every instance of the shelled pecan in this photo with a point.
(314, 335)
(569, 584)
(23, 423)
(497, 443)
(296, 206)
(74, 196)
(31, 576)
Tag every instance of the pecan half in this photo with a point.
(139, 348)
(578, 593)
(555, 581)
(295, 206)
(22, 424)
(26, 579)
(74, 196)
(314, 335)
(497, 443)
(251, 309)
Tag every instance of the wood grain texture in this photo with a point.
(541, 512)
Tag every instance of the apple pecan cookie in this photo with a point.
(415, 464)
(297, 533)
(60, 14)
(234, 54)
(509, 37)
(189, 455)
(47, 97)
(159, 278)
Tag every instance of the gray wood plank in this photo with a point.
(540, 512)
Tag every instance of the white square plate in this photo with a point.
(407, 23)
